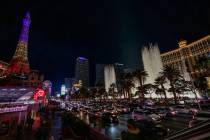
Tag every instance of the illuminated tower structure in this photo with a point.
(19, 64)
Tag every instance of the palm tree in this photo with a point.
(93, 93)
(159, 82)
(102, 93)
(172, 75)
(141, 75)
(189, 86)
(122, 85)
(203, 64)
(145, 89)
(83, 93)
(149, 88)
(179, 86)
(112, 88)
(201, 84)
(120, 93)
(127, 84)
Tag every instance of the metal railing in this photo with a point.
(200, 130)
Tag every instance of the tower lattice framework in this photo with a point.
(19, 63)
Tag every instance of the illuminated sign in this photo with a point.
(39, 93)
(13, 109)
(63, 90)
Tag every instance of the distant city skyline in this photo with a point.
(105, 32)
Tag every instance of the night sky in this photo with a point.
(104, 31)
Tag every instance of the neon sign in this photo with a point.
(39, 93)
(13, 109)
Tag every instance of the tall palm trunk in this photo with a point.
(174, 93)
(141, 96)
(164, 92)
(129, 95)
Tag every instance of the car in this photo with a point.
(74, 109)
(151, 130)
(156, 118)
(202, 115)
(110, 118)
(204, 102)
(182, 109)
(93, 112)
(111, 110)
(190, 101)
(186, 109)
(139, 114)
(149, 103)
(133, 106)
(171, 112)
(162, 112)
(122, 109)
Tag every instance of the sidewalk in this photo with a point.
(56, 127)
(27, 135)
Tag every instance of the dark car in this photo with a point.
(151, 130)
(110, 118)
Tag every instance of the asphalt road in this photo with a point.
(174, 124)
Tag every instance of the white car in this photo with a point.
(149, 103)
(122, 109)
(156, 118)
(182, 109)
(140, 114)
(186, 110)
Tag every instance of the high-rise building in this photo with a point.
(119, 70)
(19, 63)
(82, 70)
(188, 54)
(99, 75)
(109, 76)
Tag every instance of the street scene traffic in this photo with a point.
(156, 122)
(105, 70)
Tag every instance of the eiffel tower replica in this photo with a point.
(19, 69)
(19, 65)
